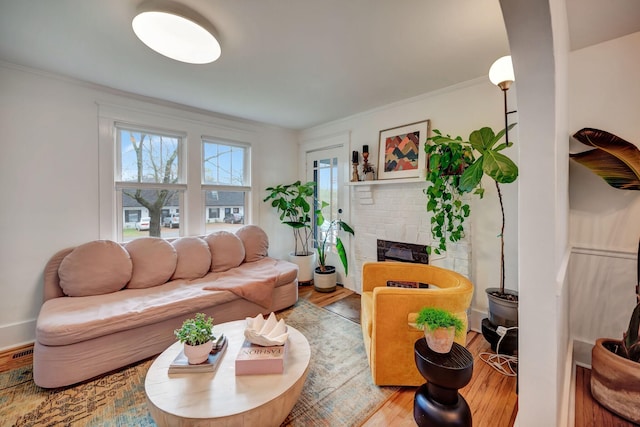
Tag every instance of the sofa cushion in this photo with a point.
(227, 250)
(154, 261)
(194, 258)
(95, 268)
(255, 241)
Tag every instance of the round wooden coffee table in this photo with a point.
(222, 398)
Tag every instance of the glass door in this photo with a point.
(327, 171)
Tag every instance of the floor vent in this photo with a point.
(24, 353)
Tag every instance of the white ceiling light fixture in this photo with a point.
(176, 32)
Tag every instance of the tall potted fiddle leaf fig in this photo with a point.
(479, 155)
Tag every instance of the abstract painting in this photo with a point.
(402, 151)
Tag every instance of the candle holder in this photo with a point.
(367, 169)
(354, 175)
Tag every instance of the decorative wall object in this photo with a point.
(401, 152)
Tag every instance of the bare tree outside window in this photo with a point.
(151, 159)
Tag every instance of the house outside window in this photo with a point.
(225, 183)
(149, 179)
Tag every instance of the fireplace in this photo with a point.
(403, 252)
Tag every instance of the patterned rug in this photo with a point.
(338, 390)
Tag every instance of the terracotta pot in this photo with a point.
(440, 340)
(615, 381)
(197, 354)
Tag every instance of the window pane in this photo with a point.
(150, 213)
(223, 164)
(148, 157)
(326, 178)
(224, 210)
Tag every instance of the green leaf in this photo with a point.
(342, 253)
(482, 139)
(615, 160)
(471, 176)
(499, 167)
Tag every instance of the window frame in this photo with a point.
(245, 188)
(120, 185)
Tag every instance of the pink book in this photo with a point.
(255, 359)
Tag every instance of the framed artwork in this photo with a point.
(401, 151)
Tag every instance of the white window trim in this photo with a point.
(192, 126)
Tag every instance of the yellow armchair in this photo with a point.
(387, 313)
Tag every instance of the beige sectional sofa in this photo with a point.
(107, 305)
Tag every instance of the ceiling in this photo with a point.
(291, 63)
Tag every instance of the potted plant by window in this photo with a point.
(503, 303)
(197, 335)
(294, 203)
(440, 328)
(324, 278)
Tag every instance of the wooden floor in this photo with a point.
(490, 395)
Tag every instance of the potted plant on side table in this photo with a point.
(197, 335)
(440, 328)
(325, 277)
(294, 203)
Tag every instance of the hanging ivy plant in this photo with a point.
(447, 159)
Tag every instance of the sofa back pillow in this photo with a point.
(194, 258)
(154, 261)
(95, 268)
(255, 241)
(227, 250)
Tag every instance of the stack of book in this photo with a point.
(180, 364)
(256, 359)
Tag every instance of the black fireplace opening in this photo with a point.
(403, 252)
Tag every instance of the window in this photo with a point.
(149, 181)
(225, 183)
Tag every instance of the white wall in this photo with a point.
(399, 210)
(50, 184)
(537, 31)
(605, 221)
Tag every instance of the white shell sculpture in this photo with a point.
(266, 332)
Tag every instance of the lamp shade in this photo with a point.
(176, 36)
(502, 71)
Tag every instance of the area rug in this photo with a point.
(338, 390)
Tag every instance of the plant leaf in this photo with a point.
(471, 176)
(615, 160)
(342, 253)
(499, 167)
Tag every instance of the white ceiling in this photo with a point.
(292, 63)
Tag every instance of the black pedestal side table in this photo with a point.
(438, 403)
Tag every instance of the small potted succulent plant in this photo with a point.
(197, 335)
(440, 327)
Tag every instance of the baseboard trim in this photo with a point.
(16, 357)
